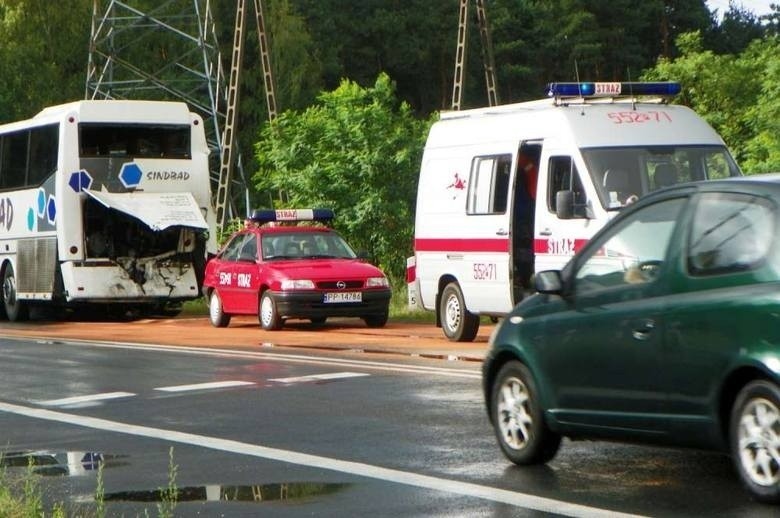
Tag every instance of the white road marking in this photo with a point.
(318, 377)
(524, 500)
(280, 357)
(91, 398)
(204, 386)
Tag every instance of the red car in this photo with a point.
(278, 269)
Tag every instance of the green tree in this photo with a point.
(539, 41)
(413, 41)
(738, 94)
(738, 28)
(43, 55)
(297, 70)
(358, 151)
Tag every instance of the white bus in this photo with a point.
(104, 202)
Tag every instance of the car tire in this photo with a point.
(15, 309)
(754, 437)
(518, 419)
(269, 316)
(376, 320)
(216, 313)
(318, 321)
(458, 324)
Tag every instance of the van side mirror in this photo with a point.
(548, 281)
(564, 204)
(567, 208)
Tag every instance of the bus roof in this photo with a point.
(110, 110)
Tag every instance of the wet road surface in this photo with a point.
(278, 432)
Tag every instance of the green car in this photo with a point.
(664, 329)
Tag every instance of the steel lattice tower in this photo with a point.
(167, 52)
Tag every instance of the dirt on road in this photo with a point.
(421, 339)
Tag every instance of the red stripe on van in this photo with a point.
(461, 245)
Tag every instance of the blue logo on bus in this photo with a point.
(51, 209)
(44, 211)
(78, 181)
(41, 202)
(130, 175)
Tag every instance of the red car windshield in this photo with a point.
(305, 245)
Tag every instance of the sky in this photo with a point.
(757, 6)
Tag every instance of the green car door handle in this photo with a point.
(644, 330)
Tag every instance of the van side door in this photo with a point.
(555, 239)
(485, 267)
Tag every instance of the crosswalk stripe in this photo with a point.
(319, 377)
(204, 386)
(75, 400)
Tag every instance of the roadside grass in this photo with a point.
(22, 496)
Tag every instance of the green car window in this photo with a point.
(731, 232)
(633, 252)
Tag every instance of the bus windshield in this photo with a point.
(622, 174)
(134, 140)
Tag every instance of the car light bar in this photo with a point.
(612, 89)
(268, 215)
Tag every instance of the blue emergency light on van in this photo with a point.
(268, 215)
(665, 88)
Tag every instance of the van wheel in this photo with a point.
(458, 323)
(754, 438)
(216, 313)
(15, 309)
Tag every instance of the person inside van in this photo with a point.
(523, 218)
(665, 174)
(528, 170)
(617, 184)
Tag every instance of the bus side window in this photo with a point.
(13, 168)
(43, 153)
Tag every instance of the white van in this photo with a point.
(509, 190)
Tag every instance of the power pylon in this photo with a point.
(167, 52)
(460, 53)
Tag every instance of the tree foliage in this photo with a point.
(357, 150)
(351, 141)
(738, 94)
(42, 55)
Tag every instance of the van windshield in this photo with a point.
(622, 174)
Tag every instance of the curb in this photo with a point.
(369, 350)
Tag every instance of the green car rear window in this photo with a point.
(730, 233)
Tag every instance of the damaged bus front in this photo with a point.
(118, 213)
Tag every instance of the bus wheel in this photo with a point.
(458, 324)
(15, 309)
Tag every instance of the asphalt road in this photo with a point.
(288, 433)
